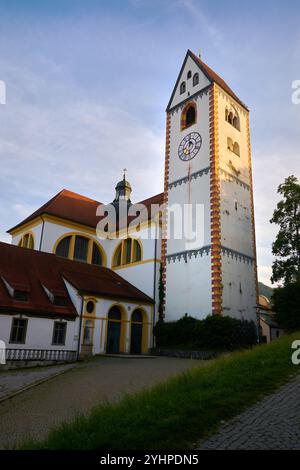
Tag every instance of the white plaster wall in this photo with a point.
(188, 288)
(236, 225)
(238, 296)
(177, 167)
(190, 89)
(39, 333)
(193, 192)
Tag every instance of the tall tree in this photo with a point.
(286, 247)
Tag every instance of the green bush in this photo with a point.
(286, 304)
(212, 333)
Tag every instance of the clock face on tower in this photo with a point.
(189, 146)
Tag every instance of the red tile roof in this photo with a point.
(77, 208)
(28, 270)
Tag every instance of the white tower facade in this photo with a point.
(208, 170)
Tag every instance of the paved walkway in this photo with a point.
(14, 380)
(273, 423)
(34, 412)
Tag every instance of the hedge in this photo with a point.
(213, 333)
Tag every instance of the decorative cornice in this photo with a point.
(191, 177)
(237, 180)
(195, 97)
(236, 255)
(189, 254)
(205, 250)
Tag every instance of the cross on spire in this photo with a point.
(124, 174)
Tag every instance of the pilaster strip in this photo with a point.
(252, 209)
(215, 204)
(164, 218)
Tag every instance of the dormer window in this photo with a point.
(16, 293)
(20, 295)
(195, 79)
(182, 88)
(189, 74)
(56, 298)
(60, 301)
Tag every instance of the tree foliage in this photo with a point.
(212, 333)
(286, 247)
(286, 304)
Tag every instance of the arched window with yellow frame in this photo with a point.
(127, 252)
(27, 241)
(188, 115)
(80, 248)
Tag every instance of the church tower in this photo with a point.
(208, 165)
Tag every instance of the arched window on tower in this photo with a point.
(233, 118)
(195, 79)
(236, 122)
(188, 116)
(182, 88)
(229, 144)
(189, 74)
(236, 149)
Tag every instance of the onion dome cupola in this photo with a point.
(123, 190)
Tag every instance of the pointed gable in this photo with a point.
(207, 76)
(189, 65)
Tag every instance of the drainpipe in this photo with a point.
(42, 234)
(80, 326)
(154, 283)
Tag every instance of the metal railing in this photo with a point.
(59, 355)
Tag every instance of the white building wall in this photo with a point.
(39, 333)
(238, 295)
(188, 288)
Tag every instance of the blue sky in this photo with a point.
(88, 82)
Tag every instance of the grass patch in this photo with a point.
(184, 409)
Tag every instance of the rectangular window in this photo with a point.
(18, 331)
(59, 333)
(81, 248)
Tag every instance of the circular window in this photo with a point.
(90, 306)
